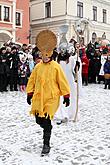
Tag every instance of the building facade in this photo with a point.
(87, 19)
(14, 21)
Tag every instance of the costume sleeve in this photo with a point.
(31, 82)
(62, 82)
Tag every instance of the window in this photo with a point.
(94, 13)
(94, 36)
(104, 16)
(80, 9)
(0, 13)
(18, 19)
(48, 9)
(6, 13)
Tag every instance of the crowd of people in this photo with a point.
(17, 63)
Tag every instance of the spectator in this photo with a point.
(31, 63)
(85, 66)
(4, 69)
(23, 72)
(13, 59)
(107, 73)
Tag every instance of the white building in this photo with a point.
(93, 16)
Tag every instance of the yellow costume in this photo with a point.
(47, 83)
(45, 86)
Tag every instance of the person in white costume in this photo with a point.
(68, 61)
(101, 73)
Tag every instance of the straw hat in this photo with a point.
(46, 41)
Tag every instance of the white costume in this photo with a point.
(68, 68)
(69, 112)
(103, 60)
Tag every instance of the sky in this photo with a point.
(85, 142)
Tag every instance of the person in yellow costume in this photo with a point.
(45, 86)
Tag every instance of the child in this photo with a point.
(45, 86)
(85, 67)
(107, 73)
(23, 71)
(31, 63)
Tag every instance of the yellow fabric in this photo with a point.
(48, 83)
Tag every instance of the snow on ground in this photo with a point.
(86, 142)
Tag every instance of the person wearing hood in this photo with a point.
(23, 72)
(67, 58)
(85, 67)
(107, 73)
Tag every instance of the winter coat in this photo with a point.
(107, 70)
(47, 83)
(95, 65)
(31, 65)
(23, 69)
(13, 61)
(85, 64)
(4, 68)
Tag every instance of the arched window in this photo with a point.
(94, 36)
(4, 37)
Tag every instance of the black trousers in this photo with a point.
(13, 79)
(3, 82)
(44, 123)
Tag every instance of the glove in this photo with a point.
(77, 65)
(66, 101)
(29, 97)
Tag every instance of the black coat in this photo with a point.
(13, 61)
(4, 67)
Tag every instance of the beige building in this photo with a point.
(88, 19)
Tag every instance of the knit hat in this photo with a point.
(3, 48)
(46, 41)
(13, 48)
(30, 56)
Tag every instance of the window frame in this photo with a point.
(5, 13)
(104, 16)
(19, 25)
(94, 13)
(0, 12)
(79, 9)
(48, 13)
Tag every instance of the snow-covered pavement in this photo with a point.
(86, 142)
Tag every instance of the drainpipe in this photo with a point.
(66, 8)
(14, 21)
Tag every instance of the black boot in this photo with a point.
(45, 150)
(106, 83)
(46, 143)
(86, 82)
(105, 86)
